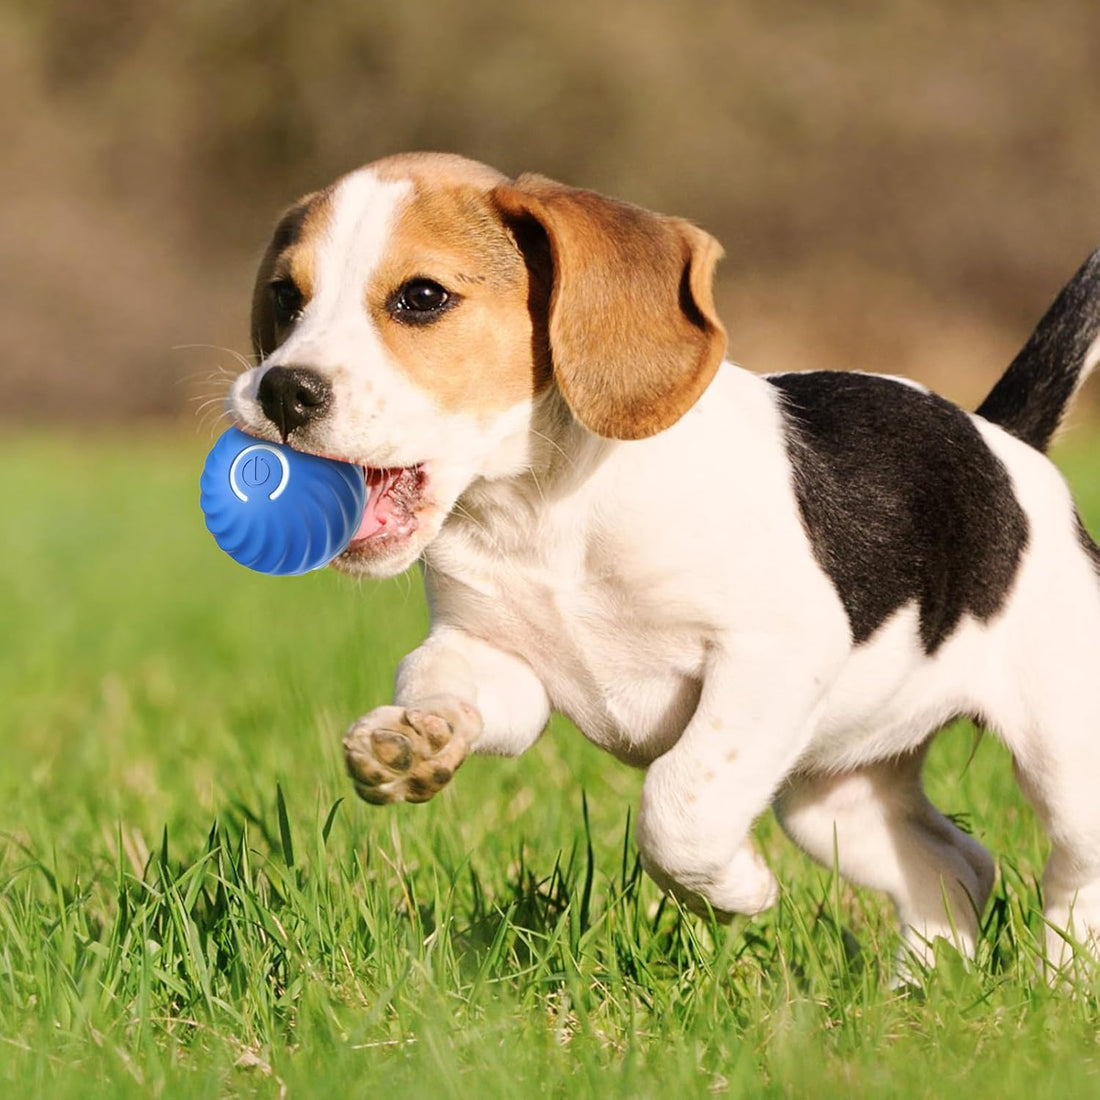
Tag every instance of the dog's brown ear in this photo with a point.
(632, 329)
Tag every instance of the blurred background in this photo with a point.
(900, 186)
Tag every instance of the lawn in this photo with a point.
(193, 902)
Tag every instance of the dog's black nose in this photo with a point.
(292, 396)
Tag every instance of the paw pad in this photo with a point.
(396, 755)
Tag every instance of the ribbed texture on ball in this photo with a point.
(276, 510)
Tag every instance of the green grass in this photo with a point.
(193, 903)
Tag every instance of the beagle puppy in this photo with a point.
(764, 590)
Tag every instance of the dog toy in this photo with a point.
(277, 510)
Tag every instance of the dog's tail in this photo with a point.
(1032, 395)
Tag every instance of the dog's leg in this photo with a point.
(455, 694)
(1047, 710)
(877, 825)
(1059, 776)
(700, 798)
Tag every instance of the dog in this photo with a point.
(764, 590)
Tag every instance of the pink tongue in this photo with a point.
(378, 509)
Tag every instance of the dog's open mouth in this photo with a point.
(392, 500)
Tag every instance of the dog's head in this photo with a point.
(411, 317)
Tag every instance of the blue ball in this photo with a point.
(277, 510)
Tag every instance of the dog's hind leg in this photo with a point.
(1046, 707)
(877, 825)
(1059, 773)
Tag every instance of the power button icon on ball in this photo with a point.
(259, 469)
(256, 471)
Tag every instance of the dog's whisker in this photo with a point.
(207, 396)
(209, 425)
(211, 408)
(553, 443)
(530, 472)
(463, 512)
(246, 362)
(407, 578)
(207, 378)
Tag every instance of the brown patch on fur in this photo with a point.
(290, 254)
(632, 327)
(485, 354)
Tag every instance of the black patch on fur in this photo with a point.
(902, 501)
(289, 227)
(1087, 544)
(1031, 396)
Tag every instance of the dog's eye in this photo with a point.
(420, 301)
(286, 300)
(422, 296)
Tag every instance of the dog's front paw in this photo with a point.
(408, 754)
(745, 885)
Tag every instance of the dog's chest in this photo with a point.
(614, 655)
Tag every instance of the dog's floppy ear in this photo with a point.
(632, 329)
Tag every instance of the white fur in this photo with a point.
(664, 595)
